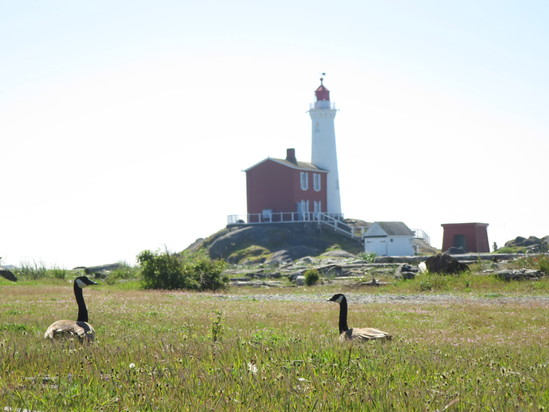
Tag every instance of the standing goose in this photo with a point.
(80, 327)
(354, 333)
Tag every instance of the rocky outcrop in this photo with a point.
(101, 271)
(296, 240)
(531, 244)
(338, 253)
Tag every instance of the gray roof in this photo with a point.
(299, 165)
(394, 228)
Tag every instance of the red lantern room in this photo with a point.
(322, 93)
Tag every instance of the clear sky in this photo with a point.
(125, 125)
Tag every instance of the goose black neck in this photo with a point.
(343, 316)
(82, 310)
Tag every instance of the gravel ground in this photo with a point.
(405, 299)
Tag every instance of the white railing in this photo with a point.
(420, 234)
(274, 217)
(322, 104)
(339, 225)
(334, 221)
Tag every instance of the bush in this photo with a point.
(369, 257)
(543, 263)
(435, 282)
(167, 271)
(311, 277)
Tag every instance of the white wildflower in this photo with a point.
(252, 367)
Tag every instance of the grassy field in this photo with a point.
(228, 351)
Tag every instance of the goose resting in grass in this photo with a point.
(80, 327)
(354, 333)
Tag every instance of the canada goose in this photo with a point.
(354, 333)
(80, 327)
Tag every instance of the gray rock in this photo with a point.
(307, 260)
(279, 258)
(445, 264)
(521, 274)
(339, 253)
(406, 271)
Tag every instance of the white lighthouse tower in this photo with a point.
(324, 154)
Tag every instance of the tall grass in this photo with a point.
(182, 351)
(38, 270)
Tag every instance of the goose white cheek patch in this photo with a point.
(80, 284)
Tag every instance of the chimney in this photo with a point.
(290, 156)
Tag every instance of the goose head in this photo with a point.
(337, 298)
(83, 281)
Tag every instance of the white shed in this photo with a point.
(389, 239)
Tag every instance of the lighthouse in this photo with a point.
(324, 154)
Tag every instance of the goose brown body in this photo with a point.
(82, 330)
(349, 334)
(80, 327)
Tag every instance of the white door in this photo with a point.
(377, 246)
(303, 209)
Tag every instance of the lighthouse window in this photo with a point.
(304, 180)
(316, 182)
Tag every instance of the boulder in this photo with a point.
(102, 271)
(307, 260)
(445, 264)
(406, 271)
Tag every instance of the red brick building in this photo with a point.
(285, 190)
(471, 237)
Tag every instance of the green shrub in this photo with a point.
(535, 262)
(168, 271)
(311, 277)
(543, 263)
(510, 249)
(434, 282)
(367, 257)
(217, 326)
